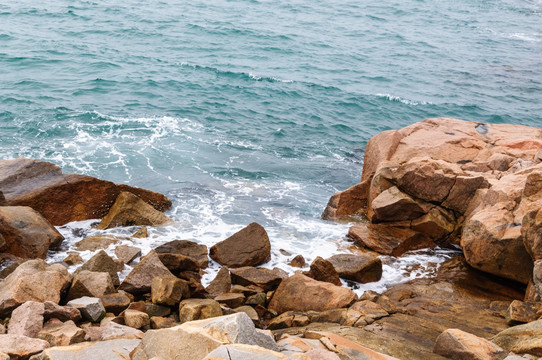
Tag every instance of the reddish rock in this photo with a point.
(323, 270)
(263, 278)
(389, 240)
(62, 334)
(115, 303)
(198, 309)
(346, 203)
(62, 198)
(126, 253)
(34, 280)
(62, 313)
(186, 248)
(20, 346)
(25, 233)
(232, 300)
(301, 293)
(298, 262)
(220, 284)
(363, 268)
(394, 205)
(130, 210)
(73, 259)
(27, 319)
(522, 312)
(139, 280)
(159, 322)
(136, 319)
(248, 247)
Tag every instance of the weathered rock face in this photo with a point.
(62, 334)
(248, 247)
(198, 309)
(33, 280)
(126, 253)
(62, 198)
(363, 268)
(168, 290)
(139, 280)
(460, 345)
(90, 283)
(93, 243)
(323, 270)
(118, 349)
(101, 262)
(220, 284)
(301, 293)
(20, 346)
(25, 233)
(130, 210)
(492, 238)
(522, 339)
(91, 308)
(474, 184)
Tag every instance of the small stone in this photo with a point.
(112, 330)
(298, 262)
(252, 314)
(91, 308)
(168, 290)
(257, 299)
(522, 312)
(186, 248)
(73, 259)
(139, 280)
(136, 319)
(98, 242)
(157, 310)
(101, 262)
(263, 278)
(363, 268)
(127, 254)
(141, 233)
(62, 313)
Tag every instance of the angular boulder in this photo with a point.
(34, 280)
(25, 233)
(62, 334)
(93, 243)
(220, 284)
(243, 351)
(127, 254)
(130, 210)
(521, 339)
(101, 262)
(136, 319)
(168, 290)
(139, 280)
(186, 248)
(62, 198)
(248, 247)
(248, 275)
(62, 313)
(91, 308)
(27, 319)
(196, 339)
(90, 283)
(115, 303)
(522, 312)
(363, 268)
(323, 270)
(301, 293)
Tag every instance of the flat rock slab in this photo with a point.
(264, 278)
(20, 346)
(186, 248)
(118, 349)
(62, 198)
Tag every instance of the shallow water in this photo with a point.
(249, 110)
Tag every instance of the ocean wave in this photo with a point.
(402, 100)
(233, 74)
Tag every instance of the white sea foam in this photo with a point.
(402, 100)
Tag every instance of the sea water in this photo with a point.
(254, 110)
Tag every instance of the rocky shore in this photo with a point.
(440, 182)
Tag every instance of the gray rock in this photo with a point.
(91, 308)
(113, 330)
(118, 349)
(27, 319)
(196, 338)
(243, 352)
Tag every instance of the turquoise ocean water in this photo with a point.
(249, 110)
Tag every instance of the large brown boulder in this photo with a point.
(90, 283)
(363, 268)
(301, 293)
(248, 247)
(526, 338)
(62, 198)
(101, 262)
(323, 270)
(460, 345)
(139, 280)
(25, 233)
(186, 248)
(130, 210)
(264, 278)
(33, 280)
